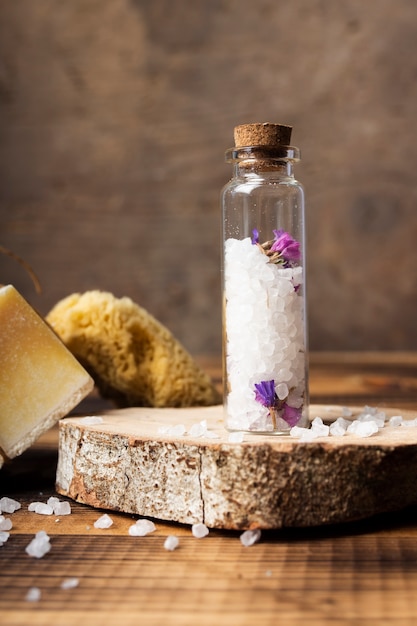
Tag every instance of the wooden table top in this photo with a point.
(364, 572)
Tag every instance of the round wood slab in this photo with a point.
(127, 464)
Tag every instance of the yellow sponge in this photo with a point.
(133, 358)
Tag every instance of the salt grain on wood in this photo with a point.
(249, 537)
(141, 528)
(33, 594)
(62, 508)
(5, 523)
(199, 530)
(40, 508)
(104, 521)
(70, 583)
(8, 505)
(90, 420)
(171, 542)
(235, 437)
(39, 546)
(4, 536)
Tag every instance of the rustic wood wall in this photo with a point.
(114, 117)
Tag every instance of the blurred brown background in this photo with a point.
(114, 119)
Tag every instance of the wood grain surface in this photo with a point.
(358, 573)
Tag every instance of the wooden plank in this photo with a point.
(127, 464)
(354, 573)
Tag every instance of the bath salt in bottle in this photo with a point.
(263, 281)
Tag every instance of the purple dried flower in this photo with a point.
(287, 247)
(255, 236)
(265, 393)
(291, 415)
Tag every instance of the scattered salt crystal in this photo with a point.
(374, 416)
(249, 537)
(5, 523)
(409, 423)
(199, 429)
(70, 583)
(199, 530)
(211, 435)
(317, 426)
(363, 429)
(33, 594)
(4, 536)
(62, 508)
(396, 420)
(171, 542)
(346, 411)
(52, 501)
(141, 528)
(308, 435)
(104, 521)
(177, 431)
(39, 545)
(41, 508)
(163, 430)
(90, 420)
(8, 505)
(339, 427)
(235, 437)
(298, 431)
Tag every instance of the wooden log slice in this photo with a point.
(127, 464)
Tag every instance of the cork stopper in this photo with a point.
(265, 134)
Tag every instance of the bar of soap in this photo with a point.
(40, 380)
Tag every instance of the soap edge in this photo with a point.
(71, 402)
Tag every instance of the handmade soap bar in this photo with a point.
(40, 380)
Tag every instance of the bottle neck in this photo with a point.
(263, 161)
(263, 168)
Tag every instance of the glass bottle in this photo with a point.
(263, 280)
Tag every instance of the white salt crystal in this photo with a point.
(70, 583)
(141, 528)
(62, 508)
(104, 521)
(52, 501)
(212, 435)
(298, 431)
(249, 537)
(8, 505)
(41, 508)
(363, 429)
(39, 545)
(177, 431)
(376, 417)
(171, 542)
(199, 530)
(199, 429)
(33, 594)
(396, 420)
(235, 437)
(5, 523)
(320, 429)
(90, 420)
(309, 435)
(339, 427)
(409, 423)
(282, 391)
(163, 430)
(4, 536)
(346, 411)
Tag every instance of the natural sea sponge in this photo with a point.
(132, 357)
